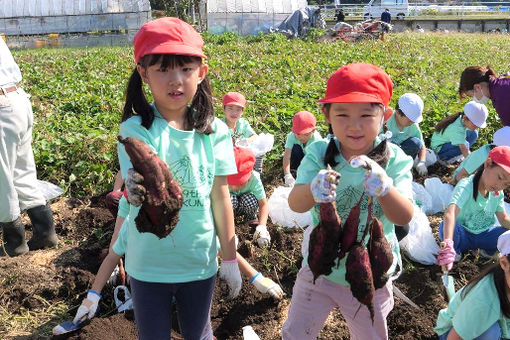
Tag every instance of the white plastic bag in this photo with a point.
(419, 245)
(49, 190)
(260, 145)
(422, 198)
(440, 193)
(507, 210)
(280, 212)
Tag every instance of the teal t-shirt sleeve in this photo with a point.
(123, 207)
(223, 150)
(476, 158)
(257, 187)
(246, 129)
(456, 132)
(399, 169)
(132, 128)
(501, 205)
(462, 193)
(119, 247)
(312, 162)
(290, 141)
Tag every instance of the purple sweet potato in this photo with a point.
(381, 256)
(324, 241)
(350, 229)
(160, 209)
(359, 275)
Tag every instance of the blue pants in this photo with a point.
(411, 146)
(296, 156)
(493, 333)
(449, 151)
(152, 304)
(464, 240)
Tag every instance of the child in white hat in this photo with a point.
(481, 309)
(405, 131)
(455, 134)
(477, 157)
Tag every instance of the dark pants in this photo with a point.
(152, 304)
(449, 151)
(245, 205)
(411, 146)
(464, 240)
(401, 231)
(296, 156)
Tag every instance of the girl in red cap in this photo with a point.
(357, 97)
(181, 128)
(469, 221)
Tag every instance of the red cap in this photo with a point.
(234, 98)
(303, 122)
(501, 156)
(359, 83)
(245, 160)
(168, 36)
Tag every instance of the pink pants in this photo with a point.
(311, 304)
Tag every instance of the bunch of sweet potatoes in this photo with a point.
(163, 200)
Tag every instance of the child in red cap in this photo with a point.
(346, 170)
(469, 221)
(303, 134)
(248, 195)
(179, 126)
(234, 104)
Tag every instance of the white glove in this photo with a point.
(266, 285)
(135, 191)
(323, 186)
(289, 180)
(261, 235)
(229, 271)
(376, 181)
(88, 307)
(421, 168)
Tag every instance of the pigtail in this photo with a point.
(445, 122)
(499, 282)
(380, 154)
(331, 152)
(136, 102)
(476, 181)
(201, 113)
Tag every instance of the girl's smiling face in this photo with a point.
(494, 178)
(233, 113)
(173, 87)
(355, 125)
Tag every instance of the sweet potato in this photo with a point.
(324, 241)
(160, 209)
(350, 230)
(381, 256)
(359, 275)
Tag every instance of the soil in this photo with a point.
(85, 226)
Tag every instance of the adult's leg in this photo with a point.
(152, 303)
(193, 308)
(309, 307)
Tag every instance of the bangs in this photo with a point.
(168, 60)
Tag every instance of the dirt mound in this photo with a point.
(62, 276)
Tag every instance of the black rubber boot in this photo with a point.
(14, 237)
(44, 232)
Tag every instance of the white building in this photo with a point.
(27, 17)
(249, 16)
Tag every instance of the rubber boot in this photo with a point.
(14, 238)
(44, 232)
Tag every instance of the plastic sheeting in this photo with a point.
(255, 6)
(299, 22)
(19, 17)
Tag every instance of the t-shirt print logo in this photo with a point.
(182, 170)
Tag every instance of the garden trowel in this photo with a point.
(448, 283)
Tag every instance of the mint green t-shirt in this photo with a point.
(292, 139)
(189, 252)
(476, 216)
(243, 129)
(474, 314)
(474, 160)
(349, 191)
(455, 133)
(398, 136)
(123, 207)
(254, 185)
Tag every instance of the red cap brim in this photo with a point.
(353, 97)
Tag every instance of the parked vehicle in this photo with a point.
(399, 9)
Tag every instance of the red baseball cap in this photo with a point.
(234, 98)
(303, 122)
(168, 36)
(501, 156)
(359, 83)
(245, 160)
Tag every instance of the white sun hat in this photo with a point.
(477, 113)
(504, 243)
(502, 136)
(412, 106)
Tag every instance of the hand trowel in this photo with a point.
(448, 283)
